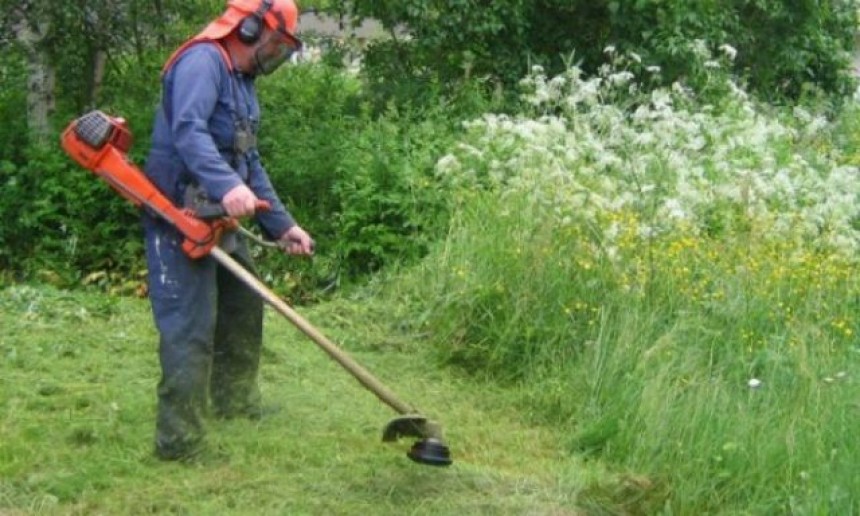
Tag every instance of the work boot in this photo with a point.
(236, 399)
(255, 412)
(238, 340)
(181, 451)
(201, 454)
(179, 427)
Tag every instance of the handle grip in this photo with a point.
(215, 210)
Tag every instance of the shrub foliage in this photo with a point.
(783, 45)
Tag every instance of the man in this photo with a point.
(204, 145)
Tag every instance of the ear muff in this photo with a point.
(251, 28)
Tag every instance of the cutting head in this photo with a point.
(430, 449)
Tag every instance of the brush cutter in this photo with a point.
(100, 143)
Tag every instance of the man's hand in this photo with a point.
(296, 241)
(239, 202)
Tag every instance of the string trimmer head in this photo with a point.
(430, 449)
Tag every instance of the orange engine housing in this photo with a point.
(99, 143)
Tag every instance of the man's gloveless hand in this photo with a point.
(240, 202)
(296, 241)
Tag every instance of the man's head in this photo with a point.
(267, 28)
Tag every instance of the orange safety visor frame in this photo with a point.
(295, 43)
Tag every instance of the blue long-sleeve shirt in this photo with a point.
(194, 132)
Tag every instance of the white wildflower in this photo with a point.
(700, 48)
(621, 78)
(674, 209)
(447, 164)
(647, 232)
(593, 158)
(730, 51)
(754, 383)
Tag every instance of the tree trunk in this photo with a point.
(159, 15)
(40, 95)
(41, 79)
(99, 61)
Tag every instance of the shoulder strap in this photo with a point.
(225, 56)
(228, 62)
(167, 94)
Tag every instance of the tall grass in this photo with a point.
(672, 281)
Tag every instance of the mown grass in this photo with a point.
(77, 387)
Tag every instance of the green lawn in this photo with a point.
(77, 390)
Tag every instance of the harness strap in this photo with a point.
(228, 61)
(246, 140)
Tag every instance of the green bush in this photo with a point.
(13, 103)
(782, 46)
(60, 222)
(361, 182)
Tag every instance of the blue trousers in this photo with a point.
(211, 331)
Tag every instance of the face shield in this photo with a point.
(274, 49)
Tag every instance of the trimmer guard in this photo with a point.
(410, 425)
(429, 449)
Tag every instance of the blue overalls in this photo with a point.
(210, 324)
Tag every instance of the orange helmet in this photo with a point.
(246, 15)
